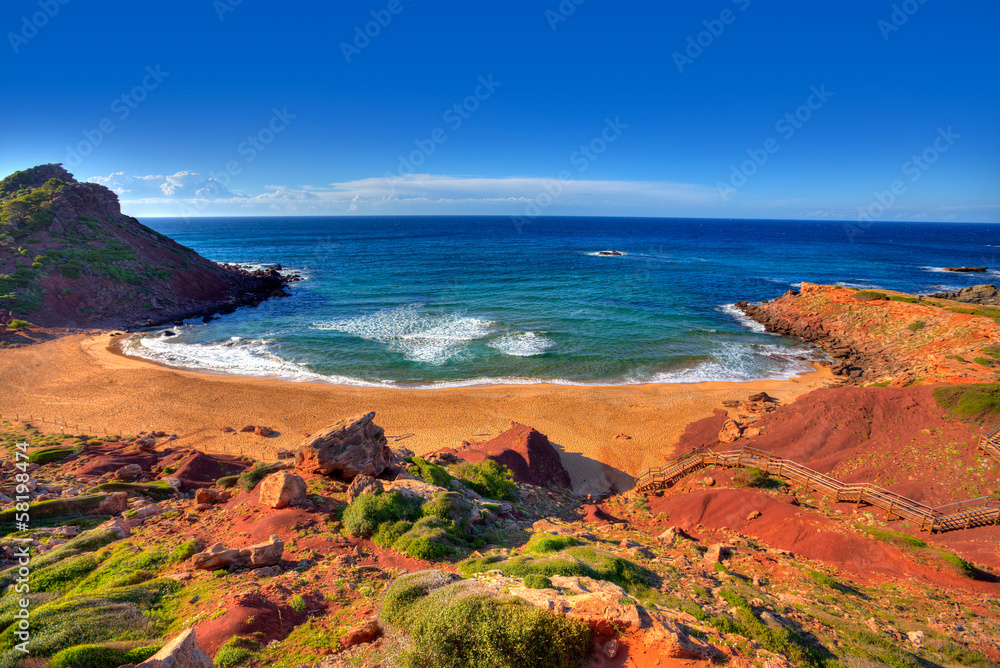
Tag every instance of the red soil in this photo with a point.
(803, 532)
(525, 451)
(109, 457)
(252, 612)
(197, 469)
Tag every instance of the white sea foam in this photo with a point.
(860, 286)
(740, 362)
(522, 344)
(420, 336)
(599, 254)
(741, 317)
(244, 357)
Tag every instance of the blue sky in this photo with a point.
(231, 107)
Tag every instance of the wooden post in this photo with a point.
(888, 513)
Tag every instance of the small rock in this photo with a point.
(716, 553)
(227, 430)
(611, 648)
(708, 481)
(263, 431)
(760, 396)
(129, 472)
(916, 637)
(362, 634)
(363, 484)
(754, 515)
(249, 428)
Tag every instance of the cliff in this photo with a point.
(69, 257)
(889, 337)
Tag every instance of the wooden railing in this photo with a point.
(963, 515)
(990, 444)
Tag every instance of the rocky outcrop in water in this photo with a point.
(985, 294)
(892, 339)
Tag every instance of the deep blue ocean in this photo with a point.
(431, 301)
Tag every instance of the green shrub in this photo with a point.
(754, 477)
(537, 582)
(52, 512)
(572, 562)
(993, 351)
(967, 569)
(389, 532)
(62, 574)
(99, 656)
(983, 361)
(780, 641)
(18, 324)
(363, 517)
(227, 482)
(47, 455)
(428, 539)
(237, 651)
(544, 543)
(249, 479)
(896, 538)
(916, 325)
(158, 489)
(298, 603)
(455, 626)
(448, 506)
(184, 551)
(490, 479)
(970, 401)
(432, 473)
(870, 295)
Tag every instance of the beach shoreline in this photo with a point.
(606, 433)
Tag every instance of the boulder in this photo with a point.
(604, 606)
(256, 556)
(985, 294)
(730, 432)
(181, 652)
(205, 495)
(760, 396)
(716, 553)
(129, 472)
(263, 431)
(362, 634)
(265, 554)
(967, 270)
(282, 488)
(413, 489)
(215, 557)
(113, 503)
(363, 484)
(351, 447)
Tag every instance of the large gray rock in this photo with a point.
(363, 484)
(985, 294)
(352, 447)
(181, 652)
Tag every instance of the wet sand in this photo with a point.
(78, 379)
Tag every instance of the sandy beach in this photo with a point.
(78, 379)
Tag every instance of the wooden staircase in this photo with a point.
(964, 515)
(990, 444)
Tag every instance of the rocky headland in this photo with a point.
(70, 258)
(889, 337)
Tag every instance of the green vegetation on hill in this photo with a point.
(436, 529)
(978, 401)
(455, 625)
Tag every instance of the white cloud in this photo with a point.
(188, 193)
(179, 186)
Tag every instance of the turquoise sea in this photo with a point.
(438, 301)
